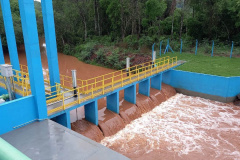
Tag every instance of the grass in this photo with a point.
(220, 66)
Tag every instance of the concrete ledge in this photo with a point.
(206, 96)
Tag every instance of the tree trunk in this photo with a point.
(95, 17)
(122, 20)
(172, 25)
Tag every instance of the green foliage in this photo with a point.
(220, 66)
(85, 51)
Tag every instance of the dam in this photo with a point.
(102, 113)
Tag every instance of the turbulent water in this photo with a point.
(182, 127)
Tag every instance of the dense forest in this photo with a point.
(84, 25)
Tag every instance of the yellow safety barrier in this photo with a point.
(100, 85)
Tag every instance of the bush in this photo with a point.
(131, 40)
(67, 49)
(85, 51)
(146, 41)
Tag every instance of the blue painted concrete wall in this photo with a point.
(16, 113)
(203, 83)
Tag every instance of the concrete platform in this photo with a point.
(48, 140)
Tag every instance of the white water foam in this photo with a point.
(182, 124)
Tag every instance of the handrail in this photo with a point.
(100, 85)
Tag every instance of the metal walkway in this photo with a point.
(61, 96)
(98, 87)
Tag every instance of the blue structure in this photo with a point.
(130, 94)
(181, 47)
(168, 47)
(91, 112)
(196, 47)
(156, 82)
(30, 34)
(51, 44)
(160, 52)
(144, 87)
(232, 49)
(25, 110)
(212, 87)
(212, 48)
(11, 40)
(113, 102)
(2, 61)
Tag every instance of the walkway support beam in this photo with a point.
(10, 34)
(31, 42)
(156, 82)
(113, 102)
(63, 119)
(91, 112)
(51, 44)
(144, 87)
(130, 94)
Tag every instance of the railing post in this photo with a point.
(122, 77)
(63, 101)
(212, 48)
(196, 47)
(127, 65)
(232, 49)
(153, 49)
(74, 82)
(103, 86)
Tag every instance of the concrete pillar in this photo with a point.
(91, 112)
(50, 38)
(30, 35)
(130, 94)
(113, 102)
(63, 119)
(156, 82)
(2, 61)
(144, 87)
(10, 35)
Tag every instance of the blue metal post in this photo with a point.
(168, 44)
(153, 50)
(144, 87)
(30, 34)
(181, 47)
(196, 47)
(2, 61)
(130, 94)
(50, 38)
(232, 49)
(91, 112)
(212, 48)
(63, 119)
(10, 35)
(113, 102)
(160, 52)
(156, 82)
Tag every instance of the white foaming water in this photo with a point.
(183, 124)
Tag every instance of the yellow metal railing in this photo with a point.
(21, 83)
(100, 85)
